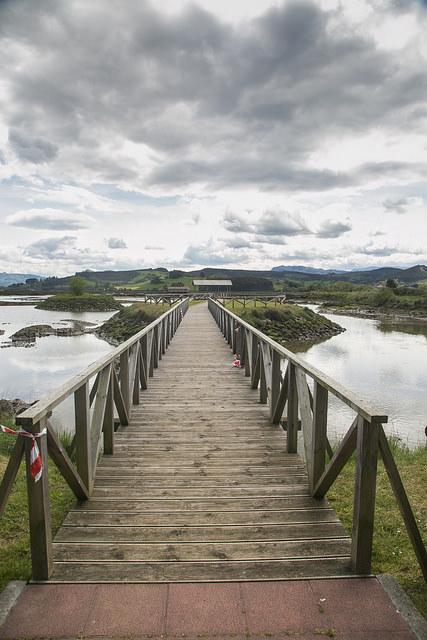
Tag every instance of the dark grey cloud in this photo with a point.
(238, 243)
(52, 219)
(30, 149)
(396, 205)
(213, 104)
(273, 223)
(333, 229)
(235, 223)
(50, 248)
(116, 243)
(2, 157)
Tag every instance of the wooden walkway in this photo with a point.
(200, 487)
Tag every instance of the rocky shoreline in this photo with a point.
(28, 335)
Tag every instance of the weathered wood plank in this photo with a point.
(213, 533)
(189, 572)
(193, 551)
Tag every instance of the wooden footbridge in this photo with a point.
(187, 470)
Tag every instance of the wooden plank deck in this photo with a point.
(200, 487)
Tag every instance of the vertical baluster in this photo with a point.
(318, 443)
(108, 424)
(364, 495)
(124, 378)
(275, 381)
(292, 424)
(39, 510)
(137, 379)
(83, 435)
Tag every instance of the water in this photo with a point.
(29, 373)
(386, 364)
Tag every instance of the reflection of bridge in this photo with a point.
(187, 471)
(263, 299)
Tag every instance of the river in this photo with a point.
(386, 365)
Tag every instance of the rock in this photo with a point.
(11, 408)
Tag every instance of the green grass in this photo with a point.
(285, 323)
(15, 560)
(130, 320)
(85, 302)
(392, 552)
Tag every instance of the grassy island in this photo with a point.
(130, 320)
(79, 303)
(287, 323)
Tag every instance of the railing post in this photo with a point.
(318, 442)
(364, 495)
(292, 424)
(39, 511)
(124, 378)
(144, 362)
(108, 424)
(83, 435)
(275, 381)
(155, 346)
(136, 382)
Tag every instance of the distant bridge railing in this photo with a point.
(262, 360)
(104, 390)
(238, 297)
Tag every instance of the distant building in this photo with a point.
(212, 286)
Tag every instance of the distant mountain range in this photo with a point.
(16, 278)
(301, 269)
(411, 275)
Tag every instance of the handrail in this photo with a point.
(48, 402)
(261, 358)
(135, 359)
(348, 397)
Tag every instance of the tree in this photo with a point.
(391, 284)
(77, 286)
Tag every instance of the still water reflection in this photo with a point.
(29, 373)
(386, 364)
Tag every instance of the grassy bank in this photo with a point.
(407, 300)
(392, 552)
(130, 320)
(286, 323)
(84, 302)
(15, 560)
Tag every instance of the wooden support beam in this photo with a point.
(144, 362)
(82, 437)
(108, 422)
(65, 467)
(337, 462)
(11, 472)
(39, 511)
(306, 415)
(403, 502)
(364, 495)
(292, 431)
(275, 383)
(124, 379)
(97, 422)
(119, 402)
(263, 393)
(281, 400)
(320, 424)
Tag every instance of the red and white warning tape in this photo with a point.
(36, 465)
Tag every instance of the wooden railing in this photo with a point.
(103, 394)
(263, 360)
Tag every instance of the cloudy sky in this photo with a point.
(214, 133)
